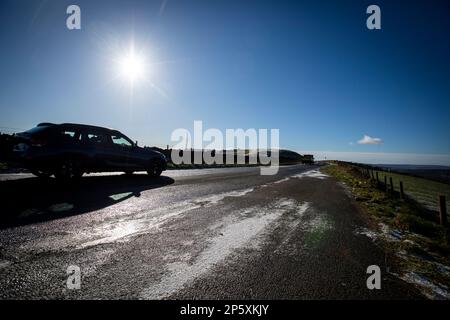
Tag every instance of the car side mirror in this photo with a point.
(135, 144)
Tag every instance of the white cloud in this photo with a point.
(369, 140)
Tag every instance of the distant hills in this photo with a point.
(432, 172)
(413, 167)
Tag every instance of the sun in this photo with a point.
(132, 67)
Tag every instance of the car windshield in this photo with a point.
(120, 140)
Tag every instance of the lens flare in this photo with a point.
(132, 67)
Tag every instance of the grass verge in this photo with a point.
(406, 229)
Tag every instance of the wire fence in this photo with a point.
(432, 195)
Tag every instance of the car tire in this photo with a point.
(155, 169)
(68, 170)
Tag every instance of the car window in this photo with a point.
(120, 140)
(69, 135)
(95, 138)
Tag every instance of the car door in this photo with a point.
(99, 148)
(123, 150)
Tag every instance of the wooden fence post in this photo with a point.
(402, 194)
(443, 211)
(378, 180)
(392, 185)
(385, 182)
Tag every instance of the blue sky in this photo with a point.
(310, 68)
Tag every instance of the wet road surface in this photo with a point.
(207, 233)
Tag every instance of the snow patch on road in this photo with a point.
(308, 174)
(282, 180)
(319, 223)
(368, 233)
(232, 236)
(146, 222)
(214, 199)
(293, 224)
(317, 230)
(126, 228)
(311, 174)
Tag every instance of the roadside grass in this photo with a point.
(406, 215)
(424, 191)
(409, 232)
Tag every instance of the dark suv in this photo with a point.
(69, 150)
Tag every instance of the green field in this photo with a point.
(424, 191)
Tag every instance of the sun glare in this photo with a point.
(132, 67)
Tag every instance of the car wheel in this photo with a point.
(41, 174)
(68, 170)
(155, 170)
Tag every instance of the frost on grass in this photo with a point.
(430, 289)
(423, 271)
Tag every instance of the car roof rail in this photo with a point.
(46, 124)
(85, 125)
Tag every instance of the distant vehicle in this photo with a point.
(308, 159)
(69, 150)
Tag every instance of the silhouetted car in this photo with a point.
(308, 159)
(69, 150)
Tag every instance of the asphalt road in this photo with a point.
(212, 233)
